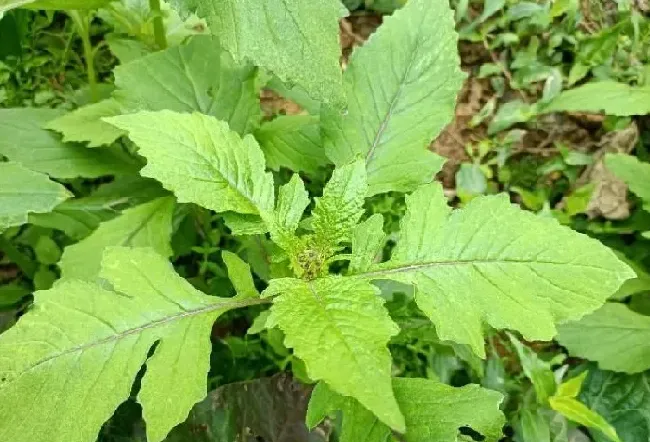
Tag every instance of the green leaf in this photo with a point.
(84, 345)
(433, 412)
(23, 140)
(23, 191)
(79, 217)
(614, 336)
(368, 238)
(605, 96)
(339, 328)
(6, 5)
(623, 400)
(147, 225)
(196, 77)
(293, 199)
(564, 402)
(240, 275)
(293, 142)
(494, 263)
(306, 51)
(402, 86)
(201, 160)
(338, 211)
(633, 172)
(538, 371)
(85, 124)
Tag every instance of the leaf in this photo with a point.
(271, 409)
(307, 50)
(201, 160)
(565, 403)
(6, 5)
(538, 371)
(433, 412)
(635, 173)
(23, 140)
(339, 328)
(23, 191)
(614, 336)
(368, 238)
(84, 345)
(494, 263)
(623, 400)
(604, 96)
(147, 225)
(402, 86)
(240, 275)
(79, 217)
(293, 142)
(293, 199)
(85, 124)
(338, 211)
(196, 77)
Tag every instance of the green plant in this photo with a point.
(192, 112)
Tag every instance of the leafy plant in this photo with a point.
(190, 110)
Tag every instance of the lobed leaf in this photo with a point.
(494, 263)
(402, 86)
(72, 358)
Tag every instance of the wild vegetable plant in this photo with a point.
(191, 110)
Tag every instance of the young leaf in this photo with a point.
(306, 51)
(402, 87)
(538, 371)
(293, 199)
(614, 336)
(492, 262)
(196, 77)
(368, 239)
(339, 328)
(240, 275)
(611, 97)
(201, 160)
(72, 358)
(147, 225)
(23, 191)
(85, 124)
(633, 172)
(293, 142)
(23, 140)
(433, 412)
(338, 211)
(565, 403)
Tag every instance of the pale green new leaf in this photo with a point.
(494, 263)
(338, 211)
(633, 172)
(73, 357)
(402, 86)
(195, 77)
(605, 96)
(340, 329)
(293, 142)
(23, 191)
(23, 140)
(295, 39)
(434, 412)
(240, 275)
(201, 160)
(614, 336)
(147, 225)
(293, 199)
(85, 124)
(565, 403)
(368, 239)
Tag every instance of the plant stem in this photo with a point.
(82, 22)
(158, 24)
